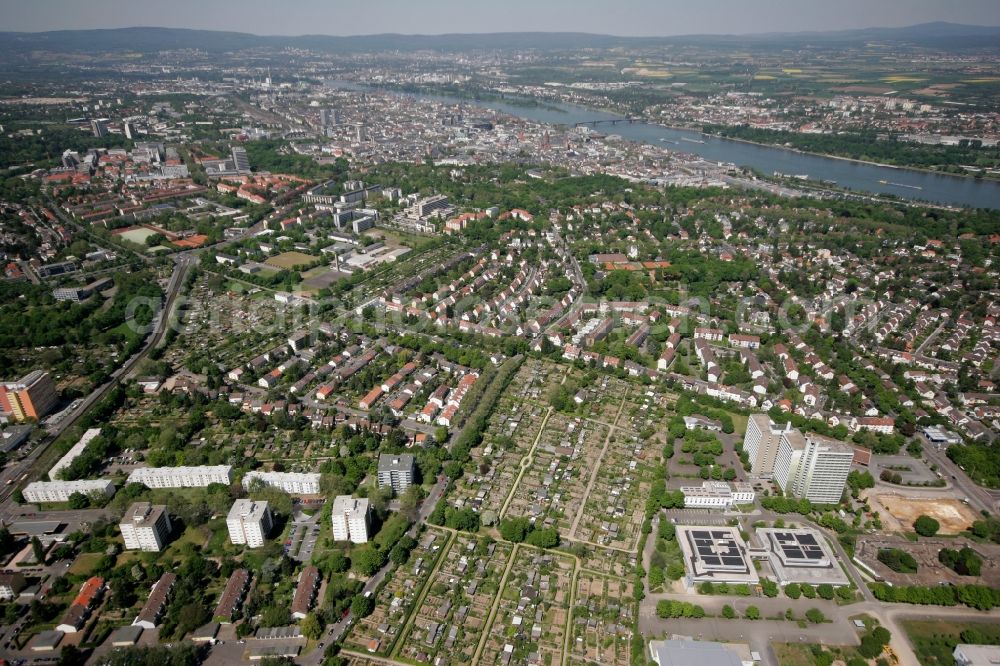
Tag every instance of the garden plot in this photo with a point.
(449, 622)
(532, 611)
(379, 632)
(602, 620)
(496, 464)
(613, 512)
(553, 485)
(603, 560)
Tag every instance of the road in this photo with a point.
(979, 498)
(335, 632)
(24, 467)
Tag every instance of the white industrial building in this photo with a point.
(59, 491)
(351, 519)
(182, 477)
(293, 483)
(249, 523)
(145, 526)
(73, 453)
(717, 495)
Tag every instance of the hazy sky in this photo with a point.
(620, 17)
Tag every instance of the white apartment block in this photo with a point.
(145, 527)
(182, 477)
(249, 523)
(396, 471)
(786, 464)
(717, 495)
(761, 442)
(351, 519)
(73, 453)
(822, 470)
(59, 491)
(293, 483)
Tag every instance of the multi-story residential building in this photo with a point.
(78, 612)
(822, 470)
(60, 491)
(11, 585)
(293, 483)
(232, 596)
(152, 610)
(145, 527)
(395, 471)
(249, 523)
(791, 444)
(305, 592)
(73, 453)
(761, 444)
(182, 477)
(31, 397)
(351, 519)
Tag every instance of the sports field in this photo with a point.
(290, 260)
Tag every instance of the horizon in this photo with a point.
(517, 32)
(631, 18)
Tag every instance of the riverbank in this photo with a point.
(843, 158)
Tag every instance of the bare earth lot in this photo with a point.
(954, 516)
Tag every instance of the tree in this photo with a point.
(367, 561)
(515, 529)
(78, 501)
(825, 591)
(728, 612)
(544, 538)
(362, 606)
(926, 526)
(793, 591)
(311, 627)
(752, 613)
(815, 616)
(37, 550)
(769, 587)
(898, 560)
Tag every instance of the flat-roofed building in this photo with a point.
(145, 526)
(60, 491)
(293, 483)
(31, 397)
(351, 519)
(761, 442)
(396, 471)
(822, 470)
(976, 655)
(715, 555)
(73, 453)
(717, 495)
(800, 556)
(687, 652)
(249, 523)
(182, 477)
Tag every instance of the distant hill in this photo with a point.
(143, 39)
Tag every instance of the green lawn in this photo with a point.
(934, 641)
(84, 563)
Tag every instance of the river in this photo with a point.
(857, 176)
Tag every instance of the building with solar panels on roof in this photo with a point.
(800, 556)
(715, 555)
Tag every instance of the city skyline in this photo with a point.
(631, 18)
